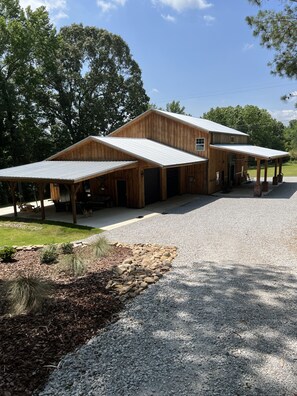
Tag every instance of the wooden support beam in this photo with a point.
(12, 187)
(265, 186)
(258, 187)
(275, 178)
(141, 197)
(73, 190)
(280, 174)
(163, 184)
(41, 187)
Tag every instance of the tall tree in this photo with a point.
(277, 30)
(95, 88)
(173, 107)
(27, 40)
(291, 138)
(257, 123)
(176, 107)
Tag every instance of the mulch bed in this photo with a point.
(32, 345)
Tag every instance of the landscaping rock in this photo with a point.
(146, 266)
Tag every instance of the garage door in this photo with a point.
(172, 182)
(151, 185)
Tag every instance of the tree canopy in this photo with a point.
(262, 129)
(27, 40)
(57, 88)
(291, 138)
(277, 30)
(95, 87)
(173, 107)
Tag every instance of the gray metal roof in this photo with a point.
(252, 151)
(151, 151)
(58, 171)
(207, 125)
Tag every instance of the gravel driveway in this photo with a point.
(223, 322)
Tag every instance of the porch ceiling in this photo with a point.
(252, 151)
(62, 171)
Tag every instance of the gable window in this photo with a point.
(200, 144)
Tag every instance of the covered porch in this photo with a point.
(70, 174)
(262, 156)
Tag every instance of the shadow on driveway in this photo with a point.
(224, 329)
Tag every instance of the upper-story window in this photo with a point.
(200, 144)
(232, 139)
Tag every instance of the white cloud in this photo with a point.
(168, 18)
(57, 8)
(108, 5)
(284, 115)
(209, 20)
(155, 90)
(181, 5)
(247, 47)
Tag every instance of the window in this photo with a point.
(232, 139)
(200, 144)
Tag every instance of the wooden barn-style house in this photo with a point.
(153, 157)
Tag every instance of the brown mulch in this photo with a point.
(32, 345)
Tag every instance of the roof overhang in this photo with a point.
(151, 151)
(66, 172)
(251, 151)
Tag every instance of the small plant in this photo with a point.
(49, 255)
(67, 248)
(7, 253)
(26, 294)
(74, 266)
(101, 247)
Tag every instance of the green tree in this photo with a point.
(173, 107)
(95, 87)
(176, 107)
(262, 129)
(277, 30)
(291, 138)
(27, 40)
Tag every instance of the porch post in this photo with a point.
(258, 187)
(41, 198)
(163, 183)
(265, 182)
(275, 178)
(280, 175)
(73, 202)
(12, 186)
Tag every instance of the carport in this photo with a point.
(69, 173)
(260, 154)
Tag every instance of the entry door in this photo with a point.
(122, 192)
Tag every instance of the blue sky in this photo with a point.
(200, 52)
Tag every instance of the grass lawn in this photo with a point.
(289, 169)
(23, 233)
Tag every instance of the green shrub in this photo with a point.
(7, 253)
(74, 266)
(26, 294)
(67, 248)
(49, 255)
(101, 247)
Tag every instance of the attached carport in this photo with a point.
(260, 154)
(69, 173)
